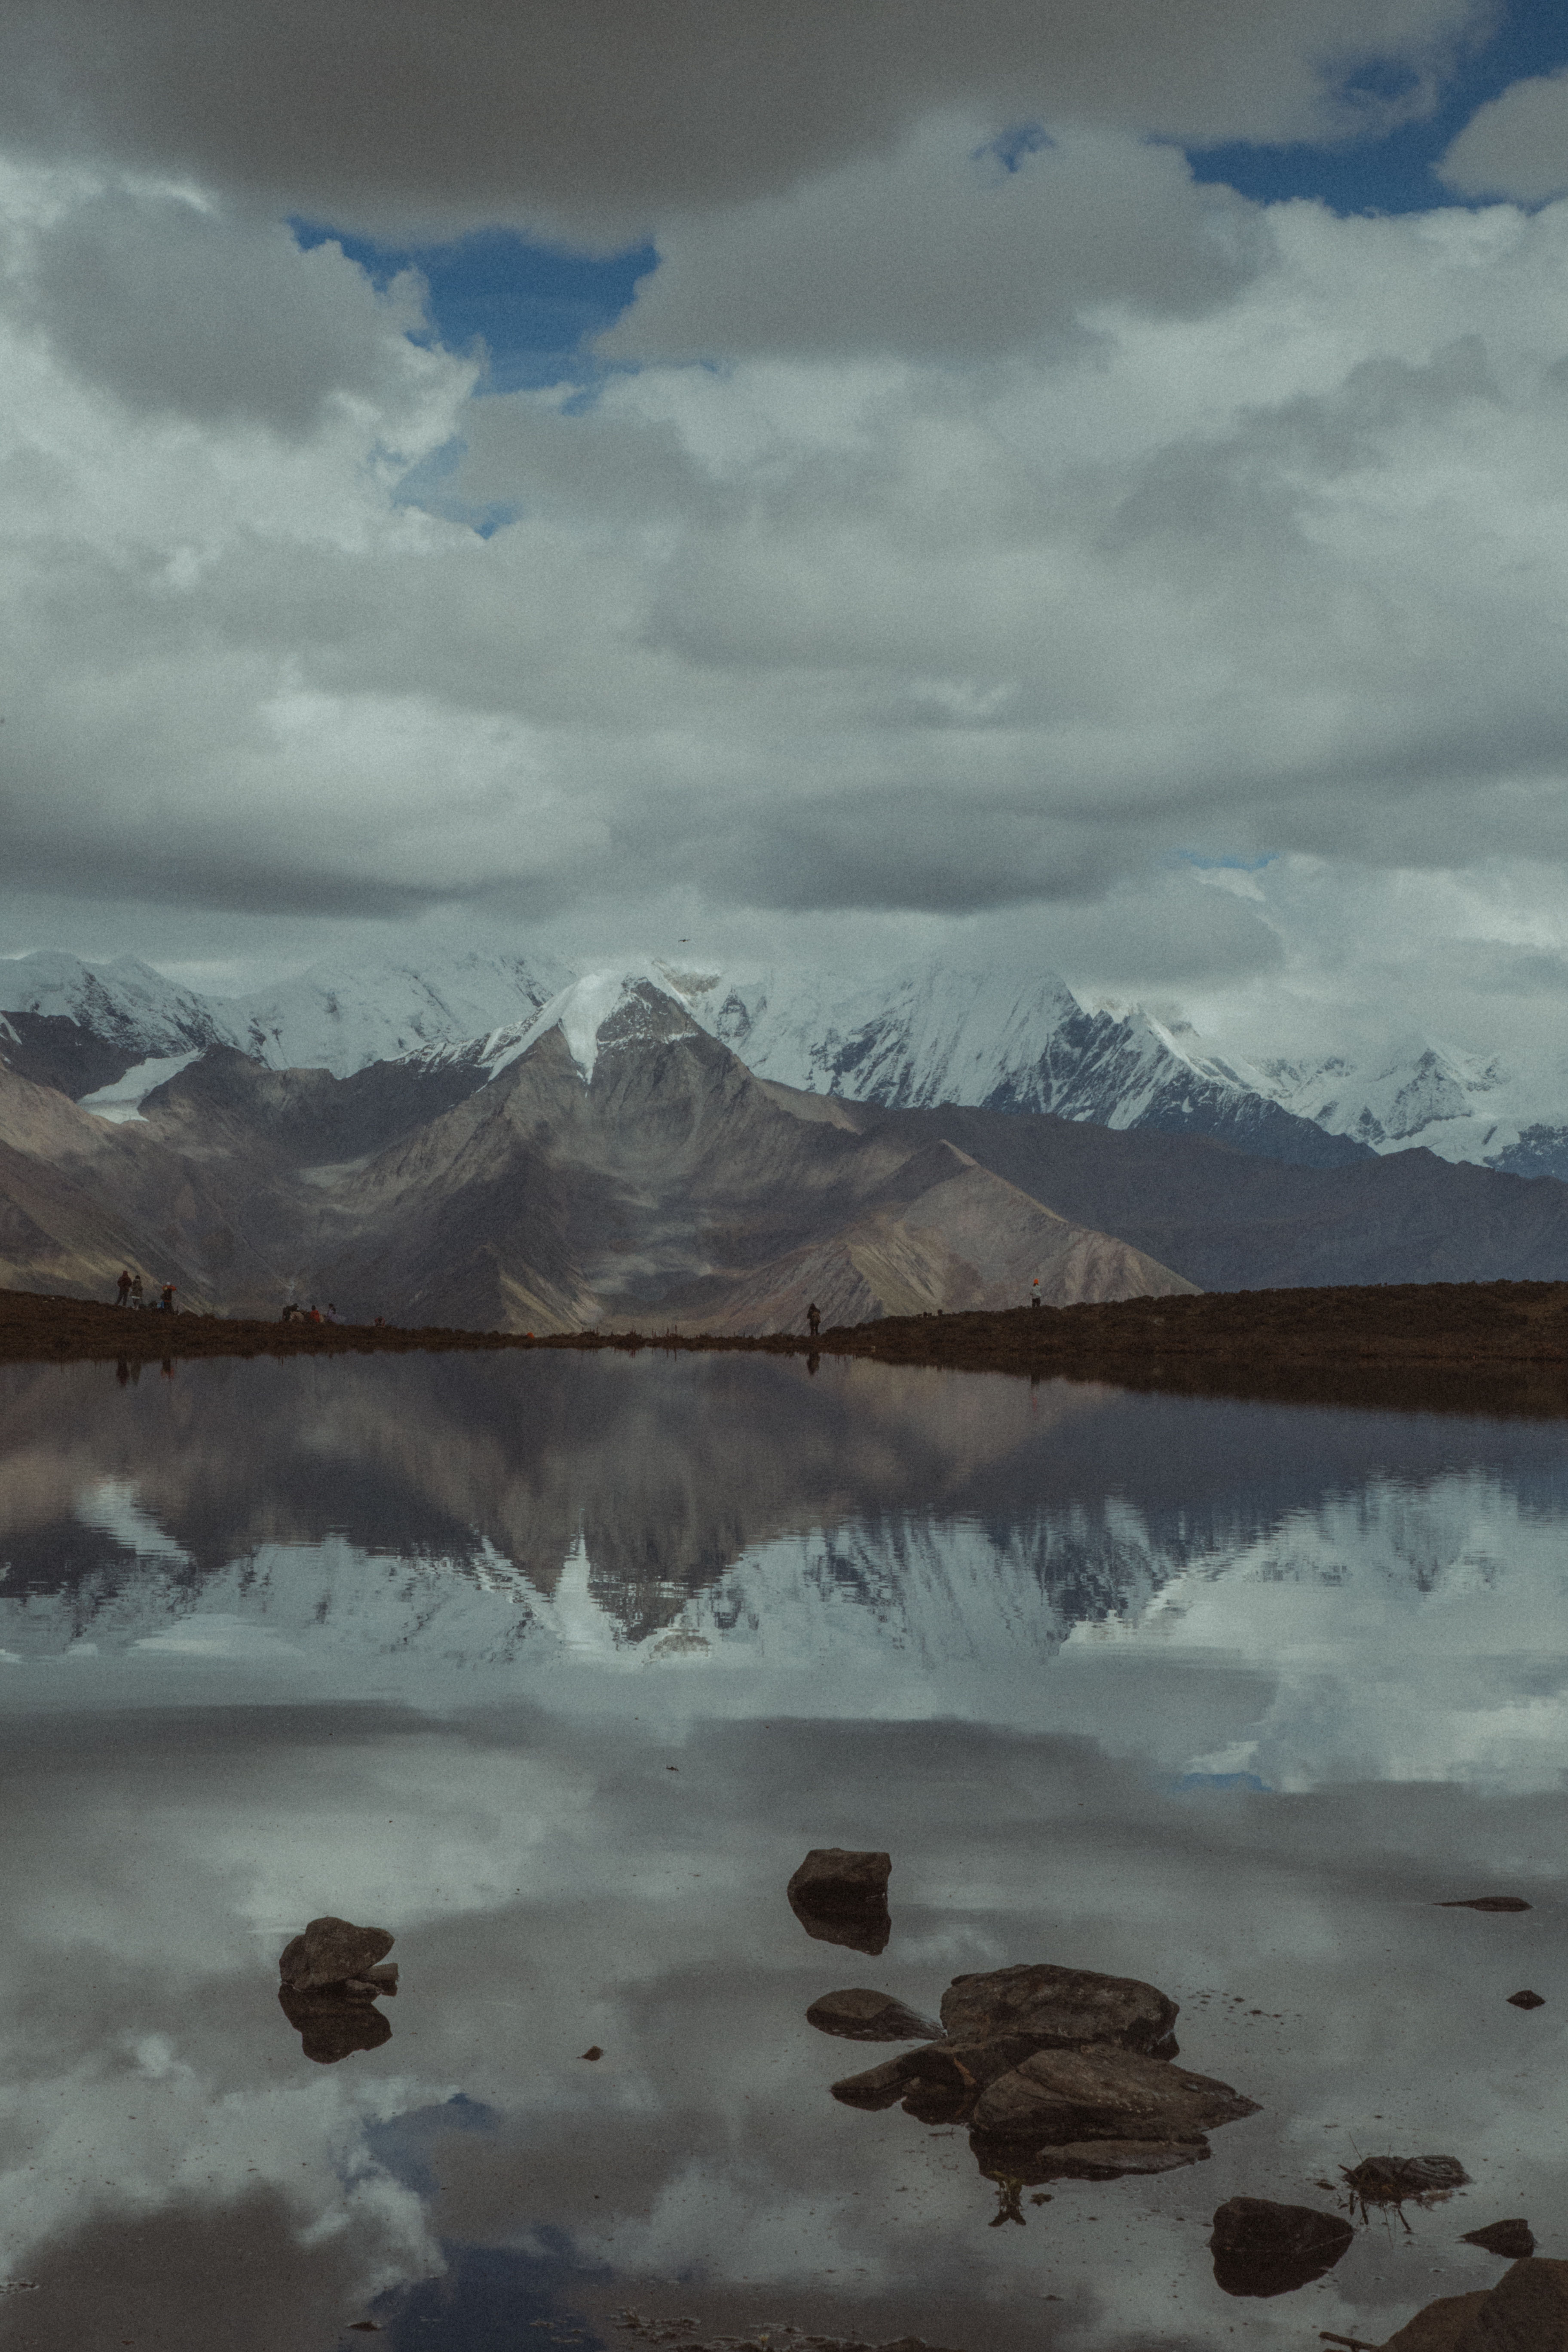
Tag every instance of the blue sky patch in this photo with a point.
(533, 308)
(1395, 174)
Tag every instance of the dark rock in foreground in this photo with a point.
(859, 2015)
(1057, 2009)
(332, 1976)
(333, 1951)
(1527, 2311)
(1263, 2249)
(1061, 2074)
(1058, 2096)
(1526, 2001)
(1406, 2180)
(839, 1896)
(1512, 2240)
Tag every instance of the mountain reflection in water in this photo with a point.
(560, 1664)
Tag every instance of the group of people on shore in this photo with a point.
(128, 1291)
(295, 1313)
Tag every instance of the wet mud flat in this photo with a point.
(1491, 1348)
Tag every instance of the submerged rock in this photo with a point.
(1485, 1902)
(1057, 2007)
(1513, 2240)
(862, 2016)
(1527, 2311)
(1263, 2249)
(840, 1894)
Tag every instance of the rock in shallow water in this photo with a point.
(1104, 2094)
(1263, 2249)
(840, 1894)
(859, 2015)
(330, 1951)
(1527, 2311)
(1512, 2240)
(1057, 2007)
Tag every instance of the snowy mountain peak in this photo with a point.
(598, 1012)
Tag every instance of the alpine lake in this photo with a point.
(555, 1666)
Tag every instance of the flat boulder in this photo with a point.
(859, 2015)
(1104, 2094)
(1263, 2249)
(332, 1952)
(1526, 2001)
(878, 2086)
(1058, 2009)
(840, 1894)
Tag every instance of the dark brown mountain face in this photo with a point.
(635, 1174)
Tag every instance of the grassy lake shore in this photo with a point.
(1499, 1346)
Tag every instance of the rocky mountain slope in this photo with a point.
(620, 1164)
(612, 1161)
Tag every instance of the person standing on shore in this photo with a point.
(136, 1290)
(123, 1286)
(166, 1299)
(814, 1319)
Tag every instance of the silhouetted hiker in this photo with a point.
(814, 1319)
(166, 1299)
(123, 1286)
(293, 1312)
(136, 1290)
(1034, 1301)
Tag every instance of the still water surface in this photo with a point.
(555, 1666)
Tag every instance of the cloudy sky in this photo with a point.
(1034, 480)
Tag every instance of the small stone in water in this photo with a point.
(1526, 2001)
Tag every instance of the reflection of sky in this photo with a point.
(1046, 1651)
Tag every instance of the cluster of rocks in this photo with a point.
(332, 1976)
(1059, 2073)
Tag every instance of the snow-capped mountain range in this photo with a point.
(1000, 1039)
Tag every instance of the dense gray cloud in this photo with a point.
(944, 249)
(384, 112)
(968, 533)
(167, 303)
(1516, 145)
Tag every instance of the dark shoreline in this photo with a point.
(1476, 1348)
